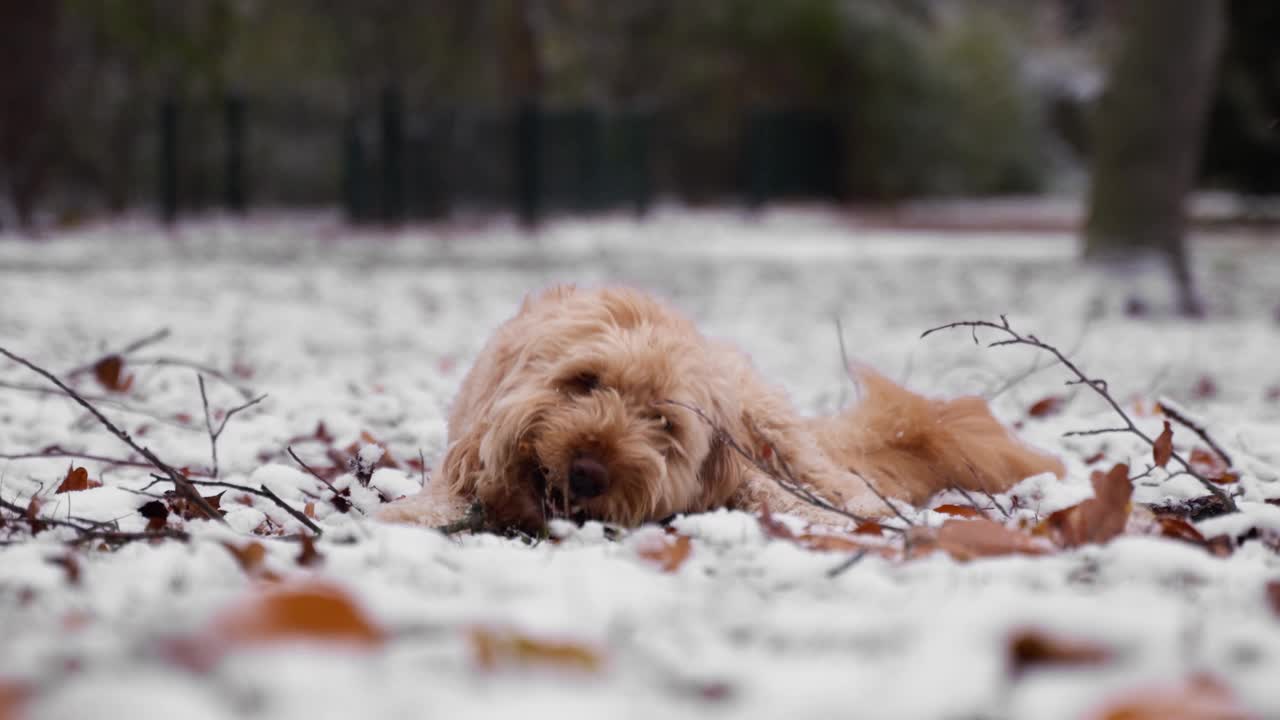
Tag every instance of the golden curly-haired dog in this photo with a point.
(607, 404)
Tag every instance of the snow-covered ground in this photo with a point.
(359, 337)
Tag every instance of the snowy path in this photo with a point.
(370, 339)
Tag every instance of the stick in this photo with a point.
(132, 347)
(1176, 415)
(183, 485)
(208, 420)
(1099, 386)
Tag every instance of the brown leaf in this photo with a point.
(109, 372)
(156, 513)
(1046, 406)
(1098, 519)
(33, 516)
(251, 558)
(1273, 596)
(963, 511)
(668, 552)
(495, 648)
(1029, 648)
(1162, 450)
(308, 556)
(965, 540)
(13, 696)
(70, 565)
(309, 510)
(1205, 388)
(1211, 465)
(311, 611)
(1201, 697)
(772, 527)
(1096, 457)
(77, 479)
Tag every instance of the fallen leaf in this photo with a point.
(1205, 388)
(668, 552)
(1201, 697)
(308, 556)
(251, 558)
(77, 479)
(33, 516)
(312, 611)
(1098, 519)
(966, 540)
(1211, 465)
(69, 565)
(963, 511)
(495, 648)
(309, 510)
(772, 527)
(1095, 458)
(1046, 406)
(109, 372)
(13, 696)
(1273, 596)
(1029, 648)
(156, 513)
(1162, 450)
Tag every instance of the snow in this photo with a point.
(370, 332)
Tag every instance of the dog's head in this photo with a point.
(597, 416)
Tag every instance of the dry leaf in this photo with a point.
(1273, 596)
(495, 648)
(668, 552)
(313, 611)
(963, 511)
(1098, 519)
(1212, 466)
(772, 527)
(1162, 450)
(109, 372)
(33, 516)
(1205, 388)
(69, 565)
(77, 479)
(1096, 457)
(12, 698)
(251, 558)
(309, 510)
(308, 556)
(1199, 698)
(1030, 648)
(156, 513)
(965, 540)
(1046, 406)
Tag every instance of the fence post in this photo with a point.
(392, 126)
(353, 175)
(528, 162)
(235, 146)
(168, 160)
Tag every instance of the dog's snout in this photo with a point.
(588, 477)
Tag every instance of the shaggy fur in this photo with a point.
(587, 405)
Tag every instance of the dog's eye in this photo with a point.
(582, 383)
(667, 425)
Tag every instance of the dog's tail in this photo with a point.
(911, 447)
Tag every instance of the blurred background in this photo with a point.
(430, 110)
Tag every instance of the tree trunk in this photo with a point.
(1149, 128)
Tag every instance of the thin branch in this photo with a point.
(183, 486)
(261, 491)
(208, 420)
(310, 470)
(853, 559)
(1099, 386)
(57, 452)
(1176, 415)
(165, 361)
(132, 347)
(786, 481)
(1096, 431)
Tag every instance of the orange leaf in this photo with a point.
(1096, 520)
(965, 540)
(494, 648)
(1030, 648)
(251, 558)
(1162, 450)
(772, 527)
(1046, 406)
(12, 697)
(308, 555)
(668, 553)
(1212, 466)
(313, 611)
(963, 511)
(109, 372)
(77, 479)
(1199, 698)
(310, 510)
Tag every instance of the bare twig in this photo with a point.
(214, 434)
(1176, 415)
(995, 502)
(852, 560)
(1099, 387)
(183, 486)
(165, 361)
(311, 470)
(785, 480)
(261, 491)
(132, 347)
(57, 452)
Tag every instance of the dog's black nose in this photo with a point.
(588, 477)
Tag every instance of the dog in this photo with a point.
(607, 404)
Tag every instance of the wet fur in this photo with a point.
(528, 407)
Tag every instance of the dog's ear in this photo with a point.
(721, 473)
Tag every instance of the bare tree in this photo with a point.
(1148, 140)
